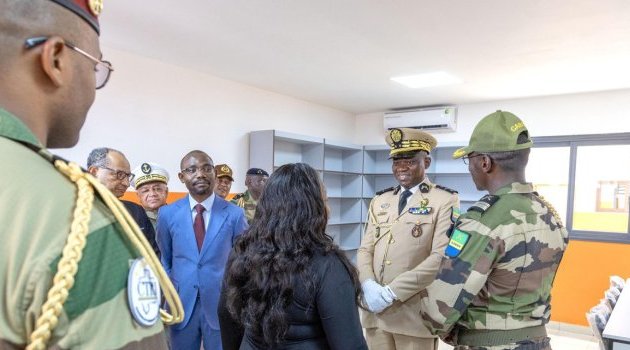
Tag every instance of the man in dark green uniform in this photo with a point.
(255, 181)
(493, 288)
(49, 69)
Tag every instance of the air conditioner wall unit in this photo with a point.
(434, 119)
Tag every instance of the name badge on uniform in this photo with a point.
(457, 243)
(420, 210)
(143, 293)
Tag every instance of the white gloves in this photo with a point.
(377, 298)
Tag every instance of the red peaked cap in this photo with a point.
(86, 9)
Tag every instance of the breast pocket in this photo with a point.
(419, 227)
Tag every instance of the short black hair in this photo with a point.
(511, 161)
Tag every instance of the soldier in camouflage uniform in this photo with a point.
(493, 287)
(255, 182)
(46, 89)
(402, 246)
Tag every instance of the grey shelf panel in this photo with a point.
(340, 185)
(376, 161)
(297, 139)
(344, 210)
(345, 173)
(346, 236)
(288, 152)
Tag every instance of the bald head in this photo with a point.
(50, 87)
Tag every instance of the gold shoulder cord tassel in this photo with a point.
(552, 210)
(72, 253)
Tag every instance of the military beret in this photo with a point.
(257, 171)
(149, 172)
(88, 10)
(223, 170)
(409, 141)
(496, 132)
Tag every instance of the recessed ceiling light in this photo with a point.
(426, 80)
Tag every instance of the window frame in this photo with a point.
(574, 142)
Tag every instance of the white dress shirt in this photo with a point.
(206, 213)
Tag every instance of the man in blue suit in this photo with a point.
(195, 236)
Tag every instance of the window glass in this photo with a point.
(548, 171)
(602, 188)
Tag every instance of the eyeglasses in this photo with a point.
(466, 161)
(120, 175)
(206, 169)
(405, 162)
(102, 70)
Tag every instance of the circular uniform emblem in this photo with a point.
(96, 7)
(396, 135)
(146, 168)
(225, 169)
(143, 293)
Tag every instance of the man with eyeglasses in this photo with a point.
(196, 235)
(64, 259)
(493, 287)
(151, 183)
(112, 169)
(404, 240)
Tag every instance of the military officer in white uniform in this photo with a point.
(405, 238)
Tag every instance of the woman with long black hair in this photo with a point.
(287, 284)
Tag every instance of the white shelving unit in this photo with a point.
(343, 168)
(269, 149)
(340, 165)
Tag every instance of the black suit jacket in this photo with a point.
(141, 218)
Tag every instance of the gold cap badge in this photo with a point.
(96, 6)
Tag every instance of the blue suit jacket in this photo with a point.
(192, 271)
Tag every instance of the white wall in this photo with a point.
(588, 113)
(152, 111)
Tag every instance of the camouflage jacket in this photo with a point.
(499, 266)
(248, 203)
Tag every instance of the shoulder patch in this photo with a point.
(454, 214)
(457, 243)
(385, 190)
(484, 203)
(451, 191)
